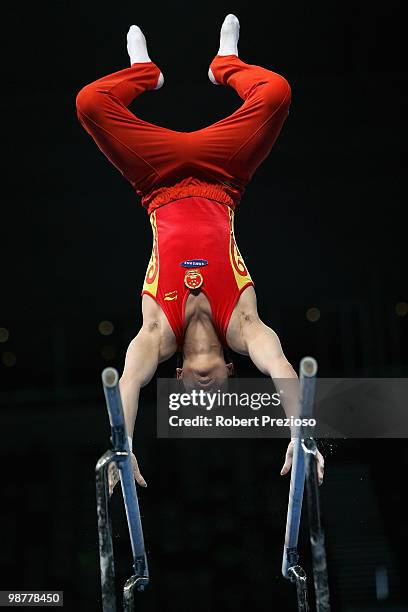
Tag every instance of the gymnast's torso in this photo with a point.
(195, 253)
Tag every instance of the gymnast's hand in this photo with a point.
(113, 475)
(289, 457)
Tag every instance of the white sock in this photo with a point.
(137, 49)
(136, 45)
(229, 37)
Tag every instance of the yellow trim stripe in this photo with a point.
(153, 268)
(241, 274)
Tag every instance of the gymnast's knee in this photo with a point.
(89, 100)
(276, 92)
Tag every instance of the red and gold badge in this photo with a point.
(193, 279)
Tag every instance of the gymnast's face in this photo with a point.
(204, 371)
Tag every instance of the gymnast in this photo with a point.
(198, 298)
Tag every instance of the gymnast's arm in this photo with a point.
(154, 344)
(248, 335)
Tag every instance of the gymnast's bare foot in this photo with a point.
(137, 49)
(229, 37)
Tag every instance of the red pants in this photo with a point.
(163, 165)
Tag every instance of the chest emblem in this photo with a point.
(193, 279)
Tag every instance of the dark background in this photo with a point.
(320, 226)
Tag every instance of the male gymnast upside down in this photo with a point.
(198, 296)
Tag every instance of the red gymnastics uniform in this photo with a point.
(189, 182)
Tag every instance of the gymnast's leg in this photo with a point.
(239, 143)
(137, 148)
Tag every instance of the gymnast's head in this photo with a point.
(209, 370)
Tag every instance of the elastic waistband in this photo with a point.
(225, 194)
